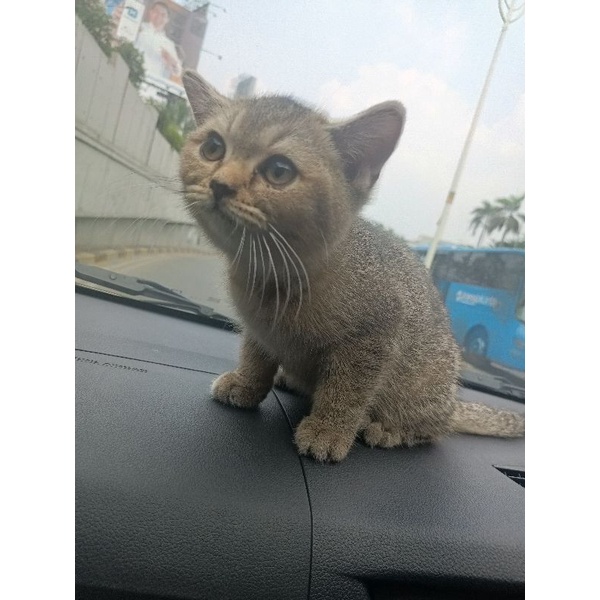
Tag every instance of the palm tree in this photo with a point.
(482, 217)
(507, 218)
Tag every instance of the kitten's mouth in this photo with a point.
(230, 209)
(242, 213)
(197, 197)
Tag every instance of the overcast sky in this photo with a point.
(432, 55)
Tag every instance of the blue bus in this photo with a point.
(484, 292)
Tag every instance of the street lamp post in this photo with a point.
(509, 13)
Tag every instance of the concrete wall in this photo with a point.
(125, 172)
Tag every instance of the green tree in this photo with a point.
(508, 218)
(97, 22)
(100, 25)
(175, 120)
(482, 218)
(503, 215)
(135, 61)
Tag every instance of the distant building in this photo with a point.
(244, 86)
(188, 30)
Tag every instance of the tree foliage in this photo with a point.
(175, 120)
(482, 216)
(503, 215)
(100, 25)
(135, 61)
(508, 219)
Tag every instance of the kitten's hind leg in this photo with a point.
(382, 436)
(288, 383)
(401, 417)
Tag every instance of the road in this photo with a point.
(198, 277)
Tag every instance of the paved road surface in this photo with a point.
(198, 277)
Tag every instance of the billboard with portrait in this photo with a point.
(168, 36)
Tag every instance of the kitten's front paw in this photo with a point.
(230, 388)
(323, 442)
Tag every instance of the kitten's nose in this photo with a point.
(221, 190)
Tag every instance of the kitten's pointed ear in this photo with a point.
(203, 98)
(366, 141)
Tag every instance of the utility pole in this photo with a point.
(509, 13)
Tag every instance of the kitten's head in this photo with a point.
(269, 165)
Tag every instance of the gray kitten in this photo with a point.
(332, 307)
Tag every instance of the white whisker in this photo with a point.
(297, 275)
(238, 254)
(233, 231)
(194, 203)
(325, 245)
(251, 241)
(287, 271)
(301, 264)
(276, 283)
(254, 266)
(132, 225)
(264, 275)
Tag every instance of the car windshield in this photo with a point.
(453, 190)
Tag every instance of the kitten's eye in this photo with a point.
(213, 148)
(279, 170)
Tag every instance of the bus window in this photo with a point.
(504, 271)
(451, 267)
(512, 273)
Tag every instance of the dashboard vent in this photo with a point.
(517, 475)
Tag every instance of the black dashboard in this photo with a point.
(178, 496)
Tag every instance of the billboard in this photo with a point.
(168, 36)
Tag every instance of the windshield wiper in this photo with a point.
(145, 288)
(497, 384)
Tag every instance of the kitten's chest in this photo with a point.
(288, 335)
(288, 330)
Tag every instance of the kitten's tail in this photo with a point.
(479, 419)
